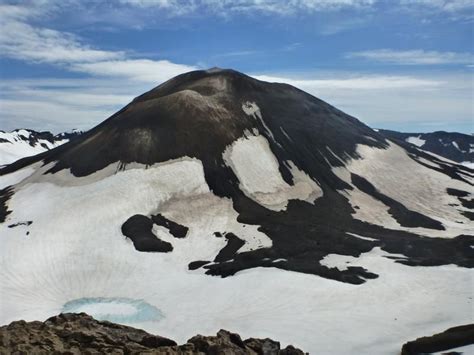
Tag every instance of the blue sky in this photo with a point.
(399, 64)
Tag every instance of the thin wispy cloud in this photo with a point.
(225, 7)
(414, 57)
(61, 104)
(443, 5)
(21, 40)
(343, 26)
(144, 70)
(291, 7)
(237, 54)
(393, 101)
(351, 82)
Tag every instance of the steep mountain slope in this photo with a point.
(214, 172)
(457, 147)
(21, 143)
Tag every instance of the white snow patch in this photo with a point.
(175, 188)
(24, 133)
(285, 134)
(421, 189)
(204, 215)
(257, 169)
(342, 262)
(361, 237)
(370, 138)
(428, 162)
(456, 146)
(16, 176)
(416, 141)
(335, 156)
(251, 109)
(469, 164)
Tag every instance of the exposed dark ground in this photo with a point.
(449, 339)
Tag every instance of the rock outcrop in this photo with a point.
(448, 340)
(71, 333)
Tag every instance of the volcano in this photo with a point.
(254, 200)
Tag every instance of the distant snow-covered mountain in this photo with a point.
(21, 143)
(455, 146)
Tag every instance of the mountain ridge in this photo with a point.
(22, 142)
(287, 200)
(455, 146)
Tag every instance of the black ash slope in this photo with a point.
(200, 113)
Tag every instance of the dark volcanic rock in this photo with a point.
(139, 229)
(234, 243)
(71, 333)
(176, 230)
(5, 195)
(449, 339)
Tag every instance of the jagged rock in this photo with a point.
(71, 333)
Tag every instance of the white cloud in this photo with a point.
(23, 41)
(73, 103)
(225, 7)
(384, 101)
(414, 57)
(20, 40)
(444, 5)
(351, 82)
(62, 104)
(44, 115)
(289, 7)
(144, 70)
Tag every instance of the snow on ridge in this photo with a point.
(251, 109)
(16, 176)
(426, 194)
(257, 169)
(416, 140)
(469, 164)
(22, 143)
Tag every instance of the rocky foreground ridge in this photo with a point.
(71, 333)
